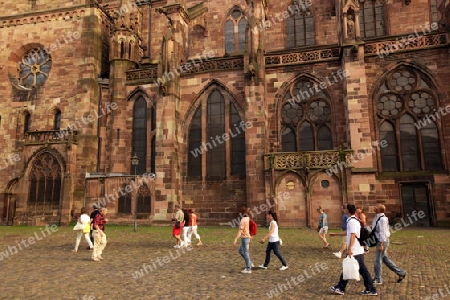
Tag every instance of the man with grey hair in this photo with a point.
(381, 225)
(99, 234)
(178, 224)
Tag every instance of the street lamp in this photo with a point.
(135, 161)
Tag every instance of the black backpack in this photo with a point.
(366, 237)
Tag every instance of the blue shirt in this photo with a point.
(321, 222)
(344, 222)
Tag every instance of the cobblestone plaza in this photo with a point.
(144, 265)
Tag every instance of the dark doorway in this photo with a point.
(415, 198)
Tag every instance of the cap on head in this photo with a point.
(95, 206)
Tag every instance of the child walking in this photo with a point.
(274, 242)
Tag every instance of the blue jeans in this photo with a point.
(382, 256)
(368, 283)
(244, 251)
(276, 251)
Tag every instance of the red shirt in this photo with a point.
(100, 221)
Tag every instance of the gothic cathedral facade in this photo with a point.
(284, 105)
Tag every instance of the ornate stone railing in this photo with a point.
(302, 57)
(407, 42)
(308, 159)
(50, 137)
(220, 64)
(150, 75)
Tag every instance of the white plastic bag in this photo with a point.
(350, 268)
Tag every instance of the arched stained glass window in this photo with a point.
(45, 184)
(144, 130)
(143, 202)
(306, 118)
(140, 135)
(124, 201)
(216, 138)
(408, 121)
(235, 28)
(34, 68)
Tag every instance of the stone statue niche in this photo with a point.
(351, 28)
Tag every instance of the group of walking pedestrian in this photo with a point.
(245, 237)
(352, 229)
(353, 219)
(187, 222)
(93, 230)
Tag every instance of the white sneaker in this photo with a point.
(246, 271)
(253, 265)
(176, 246)
(283, 268)
(337, 254)
(262, 267)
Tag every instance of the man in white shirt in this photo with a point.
(357, 251)
(382, 233)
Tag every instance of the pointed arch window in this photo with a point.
(216, 139)
(26, 122)
(306, 118)
(144, 129)
(122, 49)
(372, 18)
(57, 120)
(408, 120)
(300, 26)
(235, 27)
(45, 184)
(143, 201)
(124, 201)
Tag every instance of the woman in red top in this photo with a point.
(193, 223)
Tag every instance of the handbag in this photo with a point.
(350, 268)
(79, 226)
(87, 228)
(177, 224)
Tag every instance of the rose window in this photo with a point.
(34, 68)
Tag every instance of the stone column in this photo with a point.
(256, 111)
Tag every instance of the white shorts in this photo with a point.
(324, 230)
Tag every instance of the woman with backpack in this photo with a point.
(274, 242)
